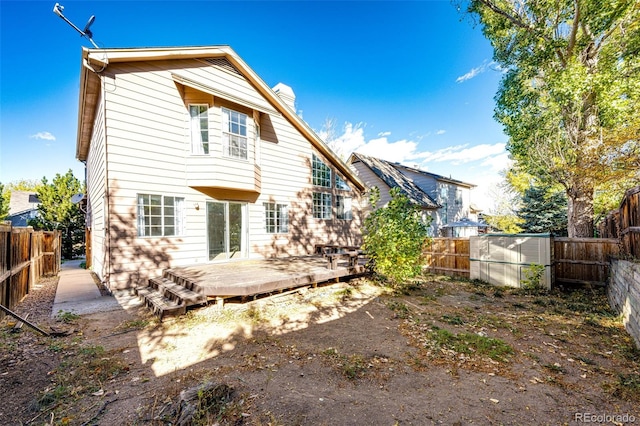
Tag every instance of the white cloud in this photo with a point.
(441, 132)
(349, 141)
(398, 151)
(474, 72)
(43, 136)
(461, 154)
(476, 164)
(497, 162)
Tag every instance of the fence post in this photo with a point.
(32, 264)
(5, 264)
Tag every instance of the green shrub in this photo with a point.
(394, 238)
(532, 277)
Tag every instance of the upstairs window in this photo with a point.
(160, 216)
(199, 129)
(276, 218)
(444, 193)
(321, 173)
(234, 134)
(341, 184)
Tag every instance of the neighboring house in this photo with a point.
(192, 158)
(446, 200)
(23, 205)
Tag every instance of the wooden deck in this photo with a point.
(183, 287)
(251, 277)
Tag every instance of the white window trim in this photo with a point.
(197, 144)
(325, 206)
(344, 212)
(227, 134)
(179, 215)
(341, 184)
(281, 218)
(316, 159)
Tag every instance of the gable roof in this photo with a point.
(22, 201)
(435, 176)
(95, 61)
(391, 176)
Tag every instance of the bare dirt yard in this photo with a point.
(442, 352)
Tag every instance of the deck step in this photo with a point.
(159, 304)
(183, 281)
(176, 292)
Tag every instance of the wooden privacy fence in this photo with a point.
(583, 260)
(574, 260)
(448, 256)
(25, 257)
(624, 223)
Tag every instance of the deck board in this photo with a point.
(257, 276)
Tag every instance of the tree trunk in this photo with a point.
(580, 211)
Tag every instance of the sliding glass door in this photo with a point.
(226, 230)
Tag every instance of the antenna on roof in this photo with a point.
(86, 33)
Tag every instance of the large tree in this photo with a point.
(570, 91)
(58, 212)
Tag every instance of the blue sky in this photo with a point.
(411, 82)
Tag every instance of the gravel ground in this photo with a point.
(39, 302)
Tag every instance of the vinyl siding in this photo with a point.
(427, 183)
(97, 193)
(371, 180)
(453, 207)
(148, 149)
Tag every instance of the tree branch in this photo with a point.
(574, 28)
(523, 24)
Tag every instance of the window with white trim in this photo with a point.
(276, 218)
(160, 216)
(199, 121)
(342, 184)
(343, 207)
(234, 134)
(320, 172)
(322, 205)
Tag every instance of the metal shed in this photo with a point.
(500, 259)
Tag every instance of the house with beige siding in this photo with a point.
(191, 158)
(447, 201)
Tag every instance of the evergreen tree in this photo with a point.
(57, 212)
(27, 185)
(4, 202)
(544, 211)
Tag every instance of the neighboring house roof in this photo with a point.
(23, 205)
(22, 201)
(95, 61)
(391, 176)
(435, 176)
